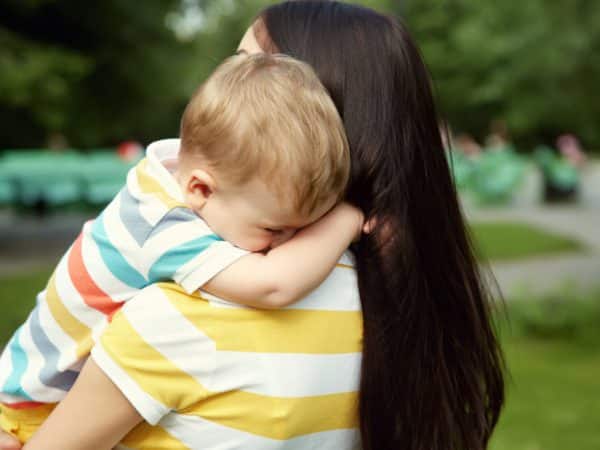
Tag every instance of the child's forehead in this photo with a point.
(276, 205)
(273, 203)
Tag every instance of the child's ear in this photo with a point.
(199, 187)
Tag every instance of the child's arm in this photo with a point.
(94, 414)
(290, 271)
(7, 442)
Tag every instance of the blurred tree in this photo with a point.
(100, 72)
(534, 63)
(97, 72)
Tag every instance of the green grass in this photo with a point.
(553, 396)
(502, 241)
(552, 347)
(17, 297)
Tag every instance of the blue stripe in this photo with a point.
(113, 259)
(173, 217)
(12, 386)
(49, 374)
(165, 267)
(129, 211)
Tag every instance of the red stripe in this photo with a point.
(23, 405)
(92, 295)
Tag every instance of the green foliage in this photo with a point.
(96, 72)
(562, 315)
(100, 72)
(532, 63)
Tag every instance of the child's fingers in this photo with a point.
(7, 442)
(367, 227)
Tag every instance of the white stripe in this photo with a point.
(120, 238)
(270, 374)
(56, 335)
(35, 361)
(170, 238)
(347, 258)
(72, 299)
(150, 207)
(286, 375)
(196, 432)
(149, 408)
(98, 271)
(199, 270)
(157, 152)
(9, 399)
(339, 292)
(178, 338)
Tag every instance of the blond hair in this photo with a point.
(269, 116)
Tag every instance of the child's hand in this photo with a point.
(7, 442)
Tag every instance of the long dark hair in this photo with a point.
(432, 369)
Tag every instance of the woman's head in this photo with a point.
(375, 75)
(432, 370)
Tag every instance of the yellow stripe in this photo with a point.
(149, 185)
(279, 417)
(148, 368)
(243, 330)
(344, 266)
(272, 417)
(147, 436)
(79, 332)
(23, 423)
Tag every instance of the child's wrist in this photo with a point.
(354, 217)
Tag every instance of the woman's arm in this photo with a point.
(290, 271)
(93, 415)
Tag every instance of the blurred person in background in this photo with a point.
(499, 137)
(431, 374)
(570, 148)
(468, 145)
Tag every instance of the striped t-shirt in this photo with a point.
(145, 235)
(206, 374)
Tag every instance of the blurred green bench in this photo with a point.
(33, 177)
(493, 177)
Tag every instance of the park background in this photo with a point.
(77, 79)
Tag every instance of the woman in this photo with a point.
(432, 371)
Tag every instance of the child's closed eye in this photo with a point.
(273, 230)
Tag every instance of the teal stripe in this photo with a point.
(12, 386)
(169, 262)
(113, 259)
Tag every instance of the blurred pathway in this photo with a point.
(580, 271)
(30, 243)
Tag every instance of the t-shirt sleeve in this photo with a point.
(145, 352)
(205, 265)
(184, 249)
